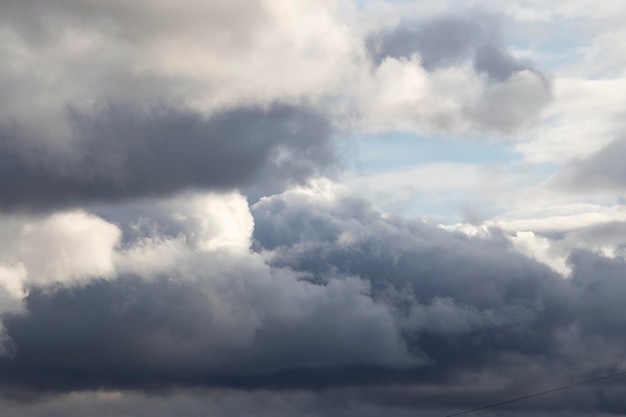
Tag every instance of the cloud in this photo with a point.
(333, 295)
(122, 152)
(600, 172)
(511, 104)
(450, 74)
(104, 102)
(463, 297)
(245, 328)
(348, 236)
(199, 55)
(62, 249)
(79, 66)
(394, 402)
(448, 41)
(194, 307)
(440, 42)
(583, 108)
(167, 246)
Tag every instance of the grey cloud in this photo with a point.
(472, 306)
(601, 171)
(497, 64)
(41, 21)
(122, 152)
(508, 105)
(603, 235)
(447, 41)
(441, 42)
(601, 279)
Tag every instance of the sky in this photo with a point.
(311, 208)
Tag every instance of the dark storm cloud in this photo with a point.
(602, 171)
(447, 41)
(122, 152)
(457, 321)
(477, 310)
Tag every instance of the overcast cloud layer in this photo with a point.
(243, 207)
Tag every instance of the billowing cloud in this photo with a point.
(209, 312)
(334, 295)
(468, 303)
(171, 243)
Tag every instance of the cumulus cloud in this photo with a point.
(333, 294)
(432, 74)
(306, 289)
(215, 314)
(463, 297)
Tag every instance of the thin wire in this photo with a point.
(537, 394)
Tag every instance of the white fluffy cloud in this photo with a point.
(74, 247)
(63, 248)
